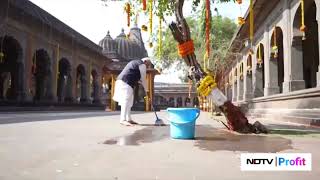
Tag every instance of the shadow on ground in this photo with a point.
(208, 139)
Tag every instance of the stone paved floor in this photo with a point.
(58, 145)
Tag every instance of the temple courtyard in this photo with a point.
(92, 145)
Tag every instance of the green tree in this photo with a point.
(222, 31)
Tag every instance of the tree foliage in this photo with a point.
(222, 30)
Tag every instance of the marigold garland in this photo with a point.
(160, 37)
(303, 27)
(150, 16)
(128, 10)
(186, 48)
(144, 5)
(208, 27)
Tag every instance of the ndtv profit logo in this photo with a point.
(276, 162)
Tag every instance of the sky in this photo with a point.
(93, 19)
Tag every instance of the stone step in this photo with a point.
(305, 119)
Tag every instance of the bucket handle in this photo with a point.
(198, 114)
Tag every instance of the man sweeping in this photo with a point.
(134, 72)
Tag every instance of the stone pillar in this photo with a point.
(62, 87)
(67, 91)
(175, 102)
(234, 91)
(295, 71)
(255, 82)
(50, 86)
(96, 90)
(20, 82)
(271, 73)
(84, 89)
(20, 77)
(318, 19)
(74, 83)
(183, 101)
(55, 70)
(28, 65)
(234, 86)
(240, 86)
(248, 93)
(113, 82)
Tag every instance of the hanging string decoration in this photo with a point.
(303, 27)
(275, 47)
(260, 56)
(241, 20)
(251, 21)
(160, 37)
(208, 25)
(150, 21)
(127, 9)
(150, 16)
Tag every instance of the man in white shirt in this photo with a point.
(134, 72)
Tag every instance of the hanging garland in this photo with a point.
(241, 20)
(150, 21)
(160, 37)
(275, 47)
(303, 27)
(208, 28)
(251, 21)
(128, 11)
(150, 16)
(259, 57)
(144, 5)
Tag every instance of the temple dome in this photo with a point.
(108, 44)
(124, 48)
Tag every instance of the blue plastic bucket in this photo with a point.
(182, 122)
